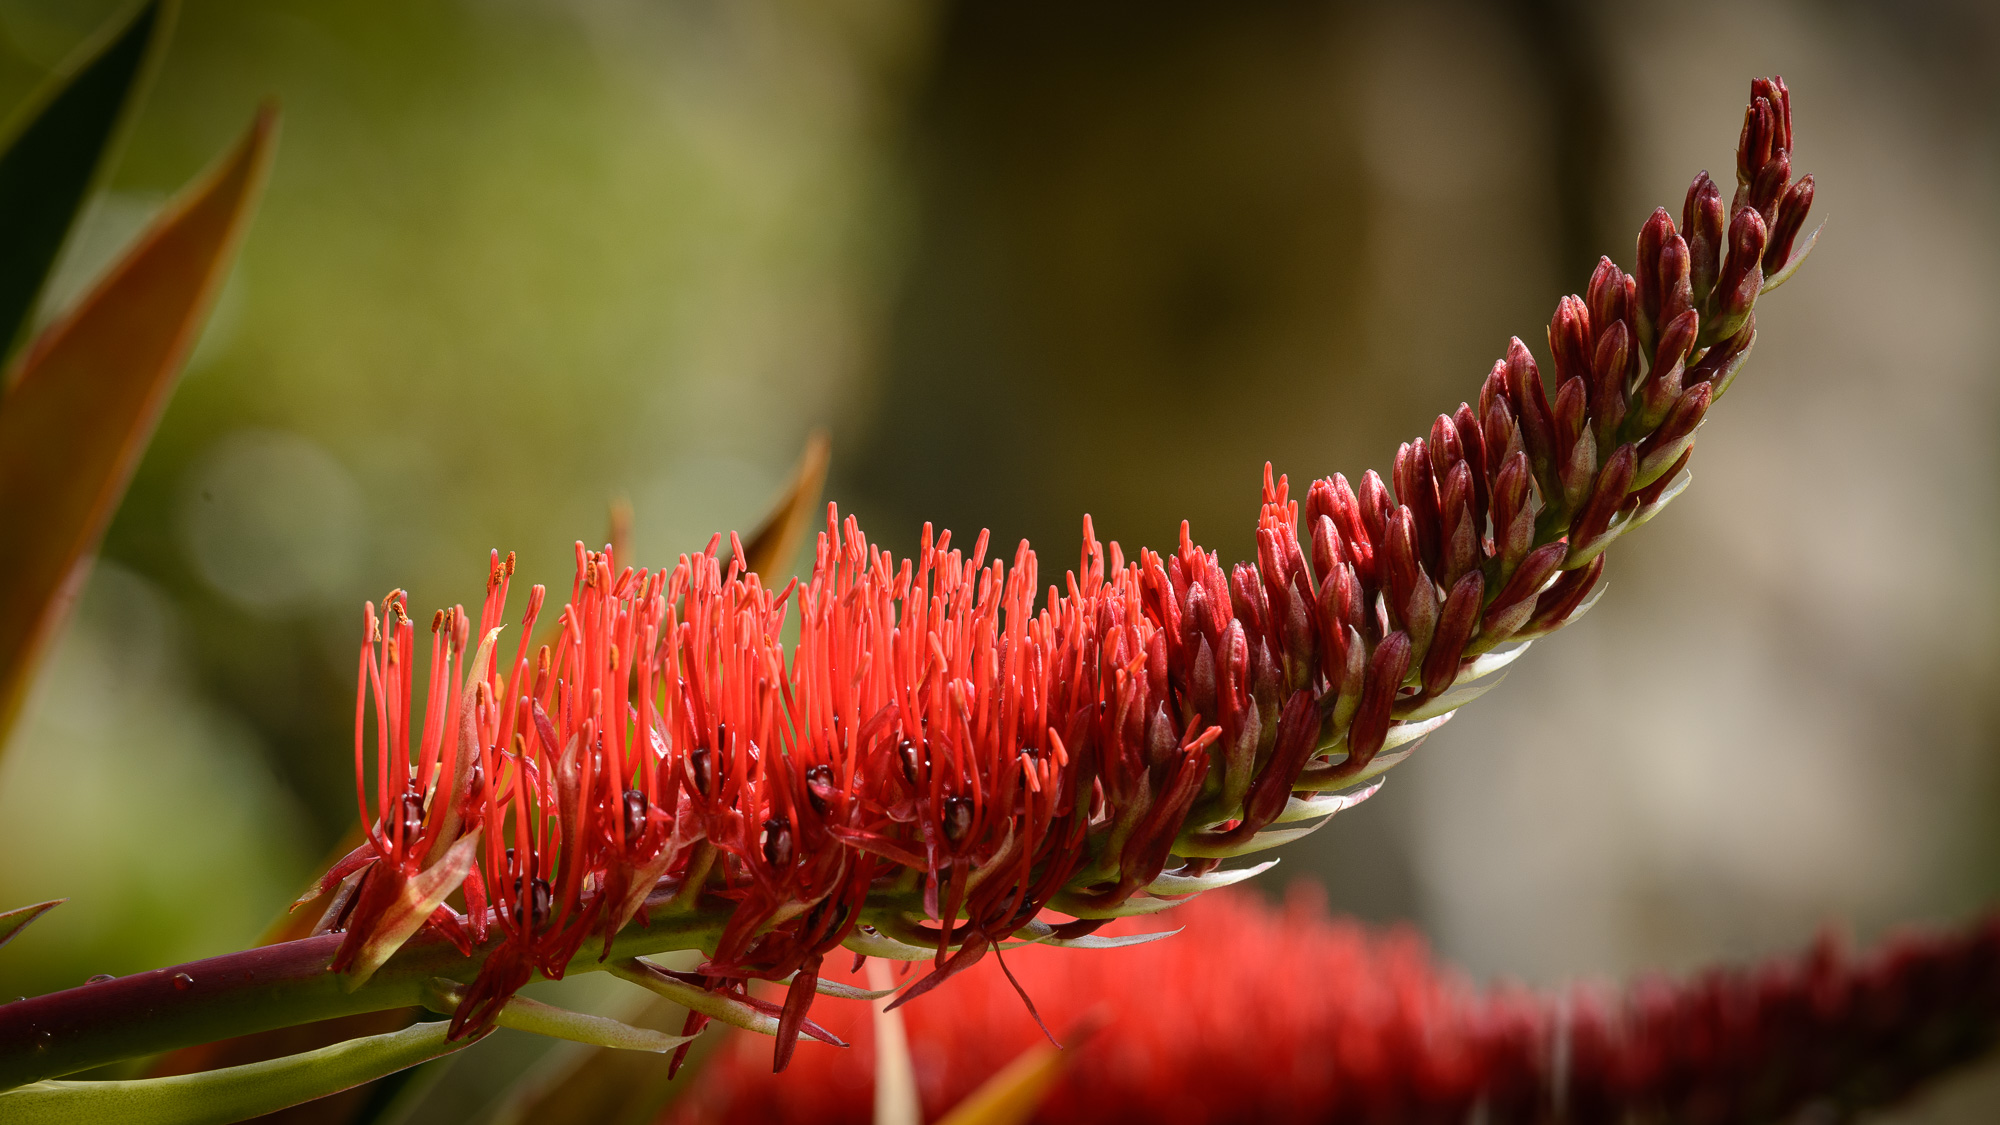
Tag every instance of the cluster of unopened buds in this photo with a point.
(938, 760)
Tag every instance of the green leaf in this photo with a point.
(60, 143)
(85, 396)
(535, 1017)
(232, 1094)
(14, 921)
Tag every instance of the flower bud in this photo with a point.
(1653, 238)
(1386, 669)
(1459, 551)
(1664, 382)
(1524, 386)
(1569, 340)
(1791, 218)
(1770, 185)
(1608, 367)
(1612, 485)
(1516, 601)
(1676, 286)
(1473, 440)
(1659, 452)
(1561, 600)
(1502, 435)
(1574, 445)
(1513, 514)
(1720, 363)
(1454, 632)
(1416, 489)
(1742, 275)
(1701, 225)
(1609, 296)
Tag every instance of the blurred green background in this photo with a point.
(521, 257)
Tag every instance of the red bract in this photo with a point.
(1259, 1015)
(943, 754)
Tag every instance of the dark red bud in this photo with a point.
(1606, 499)
(1606, 296)
(1524, 385)
(1494, 389)
(1454, 631)
(1770, 186)
(1502, 435)
(1459, 551)
(1416, 489)
(1676, 287)
(1325, 548)
(1569, 340)
(1792, 210)
(1513, 513)
(1298, 737)
(1562, 599)
(1701, 225)
(1652, 239)
(1386, 669)
(1607, 386)
(1720, 363)
(1473, 439)
(1742, 272)
(1528, 578)
(1402, 567)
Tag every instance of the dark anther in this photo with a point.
(907, 752)
(413, 815)
(635, 814)
(957, 819)
(544, 901)
(702, 769)
(778, 843)
(819, 788)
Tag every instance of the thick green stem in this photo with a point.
(260, 989)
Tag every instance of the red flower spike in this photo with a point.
(1213, 1026)
(939, 755)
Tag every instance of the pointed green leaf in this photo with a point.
(59, 144)
(714, 1005)
(230, 1094)
(87, 393)
(1214, 880)
(1450, 701)
(1309, 808)
(14, 921)
(523, 1014)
